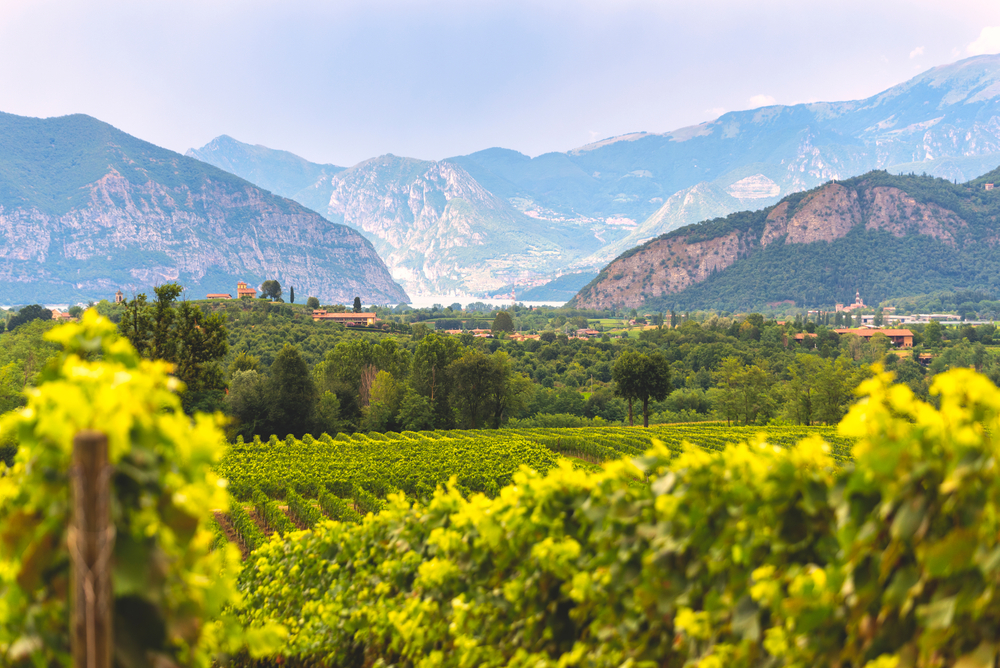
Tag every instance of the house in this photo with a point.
(61, 315)
(242, 290)
(902, 338)
(349, 319)
(989, 186)
(218, 296)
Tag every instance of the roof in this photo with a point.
(872, 332)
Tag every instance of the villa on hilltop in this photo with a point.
(242, 290)
(350, 319)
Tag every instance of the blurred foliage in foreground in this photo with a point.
(170, 589)
(753, 556)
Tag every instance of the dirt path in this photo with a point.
(300, 525)
(227, 528)
(259, 521)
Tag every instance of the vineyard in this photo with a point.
(281, 485)
(750, 556)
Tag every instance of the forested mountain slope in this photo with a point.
(86, 209)
(880, 234)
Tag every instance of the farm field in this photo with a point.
(280, 485)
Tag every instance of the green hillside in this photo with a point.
(873, 260)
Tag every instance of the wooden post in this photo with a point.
(90, 541)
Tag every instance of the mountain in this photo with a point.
(617, 193)
(281, 172)
(881, 234)
(86, 209)
(438, 228)
(561, 289)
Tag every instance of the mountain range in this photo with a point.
(496, 217)
(86, 209)
(879, 234)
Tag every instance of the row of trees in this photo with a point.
(376, 386)
(286, 374)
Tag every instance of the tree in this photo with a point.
(383, 403)
(244, 361)
(291, 295)
(933, 333)
(503, 323)
(291, 393)
(470, 385)
(312, 303)
(505, 390)
(357, 304)
(800, 391)
(247, 402)
(430, 375)
(271, 289)
(641, 376)
(27, 314)
(834, 383)
(416, 412)
(183, 335)
(745, 390)
(327, 418)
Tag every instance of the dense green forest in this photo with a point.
(274, 370)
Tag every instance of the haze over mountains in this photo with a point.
(478, 222)
(86, 209)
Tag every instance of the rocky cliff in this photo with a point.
(885, 235)
(86, 209)
(440, 230)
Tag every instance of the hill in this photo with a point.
(881, 234)
(620, 192)
(86, 209)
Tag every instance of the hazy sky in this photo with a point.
(341, 81)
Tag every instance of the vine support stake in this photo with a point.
(90, 541)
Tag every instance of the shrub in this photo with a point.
(163, 486)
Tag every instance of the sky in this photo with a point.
(340, 82)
